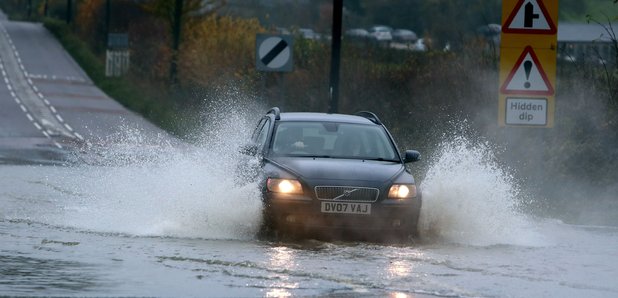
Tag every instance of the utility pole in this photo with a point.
(29, 8)
(177, 23)
(69, 11)
(335, 57)
(108, 17)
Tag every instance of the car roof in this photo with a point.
(324, 117)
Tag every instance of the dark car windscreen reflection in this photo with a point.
(332, 140)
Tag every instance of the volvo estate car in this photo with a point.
(333, 174)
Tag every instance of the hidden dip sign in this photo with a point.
(525, 111)
(528, 63)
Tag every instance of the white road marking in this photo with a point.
(36, 90)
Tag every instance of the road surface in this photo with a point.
(49, 107)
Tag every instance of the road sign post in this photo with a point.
(117, 60)
(335, 56)
(528, 63)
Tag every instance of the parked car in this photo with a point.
(357, 34)
(333, 174)
(404, 35)
(381, 33)
(420, 45)
(307, 33)
(282, 30)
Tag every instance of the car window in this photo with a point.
(337, 140)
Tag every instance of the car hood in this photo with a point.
(339, 169)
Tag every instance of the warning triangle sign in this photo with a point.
(529, 17)
(527, 76)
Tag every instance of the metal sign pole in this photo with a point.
(335, 56)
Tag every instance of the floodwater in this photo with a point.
(172, 222)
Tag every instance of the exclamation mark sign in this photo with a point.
(527, 69)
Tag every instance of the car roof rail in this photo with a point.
(369, 115)
(276, 111)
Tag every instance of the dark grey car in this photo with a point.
(334, 174)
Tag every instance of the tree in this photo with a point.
(179, 13)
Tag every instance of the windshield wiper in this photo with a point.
(381, 159)
(317, 156)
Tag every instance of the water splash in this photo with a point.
(469, 199)
(151, 186)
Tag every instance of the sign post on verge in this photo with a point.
(335, 56)
(274, 53)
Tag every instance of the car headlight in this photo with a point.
(402, 191)
(287, 186)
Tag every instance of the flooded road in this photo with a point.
(174, 224)
(45, 260)
(120, 211)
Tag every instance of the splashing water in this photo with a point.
(167, 190)
(469, 199)
(163, 189)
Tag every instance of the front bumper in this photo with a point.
(300, 214)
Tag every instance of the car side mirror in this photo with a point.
(411, 156)
(249, 149)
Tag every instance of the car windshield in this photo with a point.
(333, 140)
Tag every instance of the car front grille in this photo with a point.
(347, 193)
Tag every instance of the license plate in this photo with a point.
(345, 207)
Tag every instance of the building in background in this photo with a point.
(582, 42)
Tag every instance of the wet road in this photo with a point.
(175, 224)
(60, 238)
(48, 105)
(154, 220)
